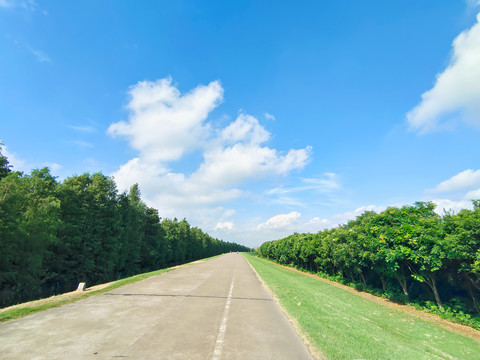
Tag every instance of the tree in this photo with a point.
(5, 167)
(55, 235)
(154, 246)
(29, 211)
(90, 229)
(462, 246)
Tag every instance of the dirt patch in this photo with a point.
(459, 328)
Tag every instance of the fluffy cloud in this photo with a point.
(173, 194)
(457, 89)
(282, 225)
(227, 225)
(460, 189)
(280, 221)
(14, 160)
(474, 194)
(464, 180)
(165, 125)
(239, 155)
(232, 165)
(246, 130)
(352, 215)
(447, 205)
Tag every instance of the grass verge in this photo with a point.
(343, 325)
(17, 311)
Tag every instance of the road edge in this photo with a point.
(314, 351)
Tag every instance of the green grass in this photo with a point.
(52, 303)
(344, 325)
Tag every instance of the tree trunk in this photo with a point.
(432, 283)
(403, 283)
(384, 283)
(472, 294)
(351, 275)
(435, 293)
(475, 285)
(363, 278)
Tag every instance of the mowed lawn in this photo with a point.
(344, 325)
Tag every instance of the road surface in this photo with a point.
(217, 309)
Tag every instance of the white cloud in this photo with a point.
(19, 164)
(232, 165)
(269, 116)
(319, 187)
(165, 125)
(473, 195)
(83, 128)
(282, 225)
(54, 167)
(229, 213)
(14, 160)
(83, 144)
(40, 55)
(352, 215)
(456, 93)
(315, 224)
(451, 205)
(173, 194)
(328, 184)
(246, 130)
(460, 190)
(227, 225)
(280, 221)
(466, 179)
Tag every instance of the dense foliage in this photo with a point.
(54, 235)
(408, 253)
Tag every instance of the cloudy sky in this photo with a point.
(252, 119)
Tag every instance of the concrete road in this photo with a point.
(217, 309)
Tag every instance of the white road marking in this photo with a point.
(217, 352)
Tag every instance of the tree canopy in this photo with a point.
(54, 235)
(410, 252)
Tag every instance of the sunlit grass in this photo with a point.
(344, 325)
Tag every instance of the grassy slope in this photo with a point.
(344, 325)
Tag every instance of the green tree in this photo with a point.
(90, 229)
(5, 167)
(29, 211)
(462, 246)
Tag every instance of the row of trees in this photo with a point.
(54, 235)
(409, 250)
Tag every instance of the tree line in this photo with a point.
(409, 253)
(54, 235)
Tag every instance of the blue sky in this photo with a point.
(252, 119)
